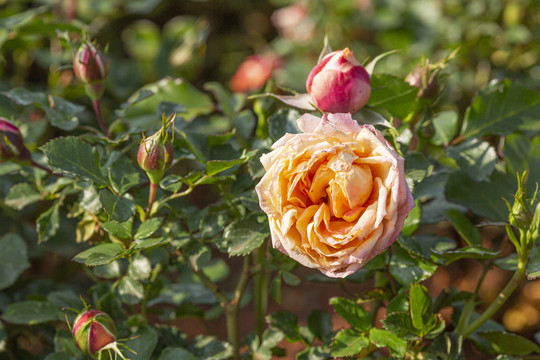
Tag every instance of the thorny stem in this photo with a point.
(503, 296)
(151, 198)
(97, 110)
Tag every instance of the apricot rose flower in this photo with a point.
(335, 194)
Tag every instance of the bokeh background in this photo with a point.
(207, 40)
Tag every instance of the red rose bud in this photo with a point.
(91, 67)
(156, 153)
(253, 73)
(11, 143)
(93, 330)
(339, 84)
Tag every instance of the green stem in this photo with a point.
(151, 198)
(233, 307)
(469, 306)
(503, 296)
(260, 296)
(97, 110)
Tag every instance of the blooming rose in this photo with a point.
(335, 194)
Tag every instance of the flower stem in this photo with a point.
(97, 110)
(260, 296)
(503, 296)
(151, 198)
(39, 166)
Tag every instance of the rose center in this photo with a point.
(344, 189)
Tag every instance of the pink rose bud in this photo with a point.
(339, 84)
(91, 67)
(253, 73)
(156, 153)
(11, 143)
(93, 330)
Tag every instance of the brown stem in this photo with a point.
(97, 110)
(39, 166)
(151, 198)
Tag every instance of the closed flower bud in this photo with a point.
(11, 143)
(425, 80)
(93, 330)
(156, 153)
(91, 67)
(339, 84)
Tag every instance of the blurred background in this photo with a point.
(208, 40)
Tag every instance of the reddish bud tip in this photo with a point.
(93, 330)
(253, 73)
(339, 84)
(11, 143)
(91, 68)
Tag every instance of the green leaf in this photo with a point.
(143, 113)
(420, 306)
(73, 156)
(142, 343)
(407, 269)
(283, 122)
(21, 195)
(275, 288)
(229, 103)
(123, 175)
(487, 196)
(120, 230)
(508, 263)
(446, 126)
(13, 259)
(101, 254)
(523, 154)
(422, 244)
(475, 157)
(244, 123)
(214, 167)
(466, 230)
(150, 243)
(393, 94)
(320, 324)
(60, 112)
(500, 109)
(348, 343)
(430, 191)
(175, 353)
(48, 222)
(467, 252)
(245, 235)
(412, 221)
(286, 322)
(383, 338)
(400, 324)
(351, 312)
(210, 348)
(147, 228)
(32, 312)
(119, 208)
(510, 344)
(130, 290)
(140, 268)
(533, 266)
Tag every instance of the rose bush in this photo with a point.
(335, 194)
